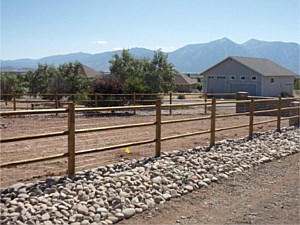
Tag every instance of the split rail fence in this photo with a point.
(158, 123)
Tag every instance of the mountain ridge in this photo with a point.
(193, 58)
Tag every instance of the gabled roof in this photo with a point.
(262, 66)
(89, 72)
(183, 79)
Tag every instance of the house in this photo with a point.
(257, 76)
(89, 72)
(184, 83)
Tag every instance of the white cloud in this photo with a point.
(100, 42)
(117, 49)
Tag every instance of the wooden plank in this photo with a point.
(37, 136)
(290, 117)
(265, 111)
(71, 139)
(233, 127)
(185, 135)
(14, 100)
(213, 123)
(117, 108)
(185, 120)
(234, 114)
(28, 161)
(289, 108)
(112, 147)
(266, 121)
(158, 129)
(113, 127)
(28, 112)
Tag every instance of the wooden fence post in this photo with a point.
(213, 123)
(14, 101)
(96, 99)
(71, 139)
(205, 100)
(278, 113)
(251, 117)
(158, 129)
(171, 100)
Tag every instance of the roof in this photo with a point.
(262, 66)
(183, 79)
(89, 72)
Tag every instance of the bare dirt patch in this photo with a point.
(19, 126)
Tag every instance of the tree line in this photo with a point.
(128, 74)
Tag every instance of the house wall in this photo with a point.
(281, 85)
(218, 79)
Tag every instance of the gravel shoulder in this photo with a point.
(267, 194)
(241, 181)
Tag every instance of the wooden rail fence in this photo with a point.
(71, 131)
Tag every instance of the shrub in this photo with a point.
(181, 96)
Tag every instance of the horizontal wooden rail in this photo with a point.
(28, 161)
(289, 108)
(290, 117)
(214, 94)
(184, 105)
(185, 135)
(37, 136)
(79, 131)
(233, 127)
(27, 112)
(265, 111)
(234, 114)
(116, 108)
(233, 101)
(185, 120)
(81, 152)
(266, 121)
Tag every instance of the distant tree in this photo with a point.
(143, 75)
(64, 79)
(9, 84)
(39, 80)
(73, 81)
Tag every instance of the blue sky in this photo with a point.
(39, 28)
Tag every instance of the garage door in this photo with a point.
(250, 88)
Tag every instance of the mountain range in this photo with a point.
(193, 58)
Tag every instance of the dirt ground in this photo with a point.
(268, 194)
(20, 126)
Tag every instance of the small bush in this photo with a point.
(181, 96)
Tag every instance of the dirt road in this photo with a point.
(268, 194)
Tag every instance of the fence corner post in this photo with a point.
(213, 122)
(278, 113)
(158, 129)
(251, 117)
(71, 139)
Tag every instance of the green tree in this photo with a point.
(9, 84)
(39, 80)
(149, 76)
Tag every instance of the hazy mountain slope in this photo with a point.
(190, 58)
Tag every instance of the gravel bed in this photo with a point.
(107, 195)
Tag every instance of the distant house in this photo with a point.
(184, 83)
(89, 72)
(257, 76)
